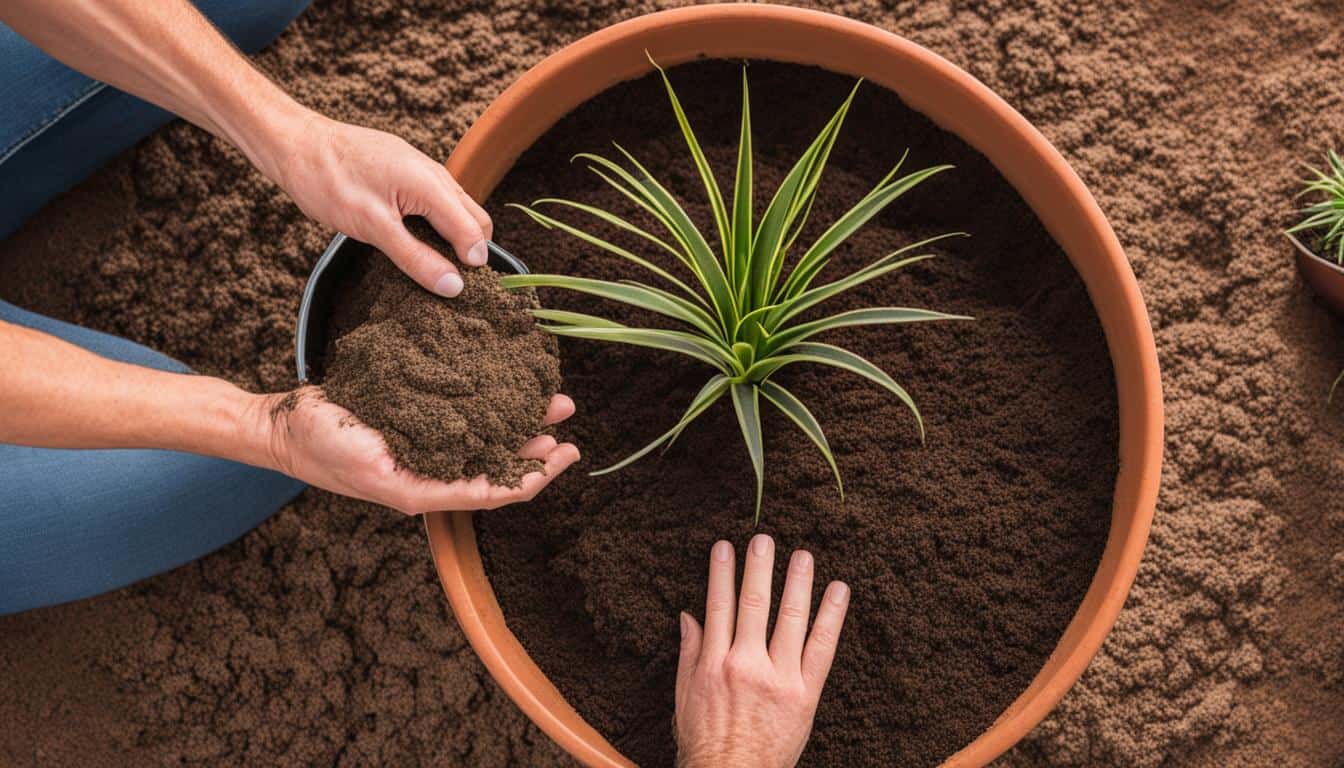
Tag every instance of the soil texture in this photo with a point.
(323, 637)
(456, 386)
(967, 555)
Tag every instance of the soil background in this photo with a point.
(968, 554)
(323, 636)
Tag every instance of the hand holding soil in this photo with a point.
(738, 703)
(324, 445)
(447, 396)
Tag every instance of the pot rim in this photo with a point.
(956, 102)
(1304, 250)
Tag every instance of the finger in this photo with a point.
(420, 494)
(720, 602)
(559, 409)
(820, 649)
(786, 644)
(558, 460)
(753, 606)
(451, 219)
(537, 448)
(691, 638)
(478, 213)
(418, 260)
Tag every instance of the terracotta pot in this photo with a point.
(958, 103)
(1325, 277)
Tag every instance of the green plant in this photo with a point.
(744, 315)
(1327, 213)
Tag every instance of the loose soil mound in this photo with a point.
(967, 555)
(457, 385)
(323, 637)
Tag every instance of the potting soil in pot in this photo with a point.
(967, 555)
(456, 385)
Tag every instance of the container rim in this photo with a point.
(956, 102)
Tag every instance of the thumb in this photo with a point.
(420, 261)
(690, 650)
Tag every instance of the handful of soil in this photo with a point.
(457, 385)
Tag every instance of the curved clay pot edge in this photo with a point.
(1325, 277)
(1110, 283)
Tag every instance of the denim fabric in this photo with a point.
(58, 126)
(77, 523)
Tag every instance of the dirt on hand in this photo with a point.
(456, 386)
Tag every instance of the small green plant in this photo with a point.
(1327, 213)
(742, 313)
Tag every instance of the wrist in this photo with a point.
(708, 758)
(268, 127)
(229, 423)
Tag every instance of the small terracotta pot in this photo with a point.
(1325, 277)
(958, 103)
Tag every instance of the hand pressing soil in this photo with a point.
(456, 386)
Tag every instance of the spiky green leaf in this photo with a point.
(827, 354)
(624, 182)
(814, 259)
(634, 294)
(800, 415)
(573, 318)
(742, 201)
(701, 164)
(788, 337)
(795, 305)
(552, 222)
(708, 395)
(707, 266)
(672, 341)
(746, 403)
(789, 199)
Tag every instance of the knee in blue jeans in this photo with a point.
(78, 523)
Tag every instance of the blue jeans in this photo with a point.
(78, 523)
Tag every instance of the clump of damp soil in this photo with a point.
(456, 386)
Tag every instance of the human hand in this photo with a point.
(738, 703)
(323, 444)
(363, 182)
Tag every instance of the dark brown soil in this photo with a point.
(1316, 245)
(457, 385)
(967, 556)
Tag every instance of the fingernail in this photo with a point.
(477, 255)
(760, 545)
(682, 620)
(802, 560)
(449, 285)
(723, 551)
(838, 593)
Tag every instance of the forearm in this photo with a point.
(167, 53)
(56, 395)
